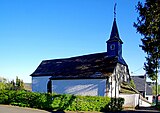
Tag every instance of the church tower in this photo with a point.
(114, 44)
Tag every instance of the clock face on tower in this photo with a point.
(112, 47)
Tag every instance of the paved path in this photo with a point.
(16, 109)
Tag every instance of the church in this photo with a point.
(97, 74)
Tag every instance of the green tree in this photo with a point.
(11, 85)
(154, 90)
(148, 25)
(2, 85)
(19, 83)
(132, 84)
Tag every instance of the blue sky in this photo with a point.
(36, 30)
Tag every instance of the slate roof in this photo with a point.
(140, 82)
(86, 66)
(148, 90)
(114, 33)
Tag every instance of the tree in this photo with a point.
(154, 90)
(11, 85)
(148, 25)
(2, 85)
(132, 84)
(19, 84)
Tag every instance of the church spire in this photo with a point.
(114, 44)
(114, 33)
(115, 11)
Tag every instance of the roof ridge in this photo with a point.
(76, 56)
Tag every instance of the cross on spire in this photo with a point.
(115, 10)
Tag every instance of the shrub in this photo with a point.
(63, 102)
(115, 104)
(158, 107)
(6, 96)
(3, 97)
(87, 103)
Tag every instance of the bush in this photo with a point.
(3, 97)
(63, 102)
(116, 104)
(89, 103)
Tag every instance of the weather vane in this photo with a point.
(115, 10)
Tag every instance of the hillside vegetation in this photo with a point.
(14, 85)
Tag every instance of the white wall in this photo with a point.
(92, 87)
(130, 100)
(39, 84)
(133, 100)
(113, 90)
(114, 86)
(143, 103)
(150, 98)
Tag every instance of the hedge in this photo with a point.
(63, 102)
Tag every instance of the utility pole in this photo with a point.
(157, 63)
(157, 77)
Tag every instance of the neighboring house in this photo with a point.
(133, 98)
(151, 84)
(98, 74)
(143, 87)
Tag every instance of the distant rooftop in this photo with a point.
(141, 84)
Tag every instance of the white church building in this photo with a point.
(97, 74)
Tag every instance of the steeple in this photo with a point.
(114, 33)
(114, 44)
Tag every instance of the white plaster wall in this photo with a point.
(144, 104)
(90, 87)
(150, 98)
(130, 100)
(39, 84)
(114, 91)
(114, 86)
